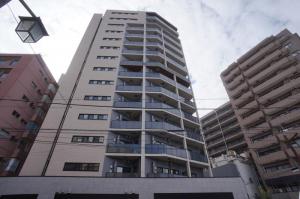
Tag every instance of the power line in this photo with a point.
(111, 106)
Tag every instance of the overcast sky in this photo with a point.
(214, 33)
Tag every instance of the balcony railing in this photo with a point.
(128, 104)
(165, 107)
(153, 52)
(164, 175)
(191, 117)
(195, 155)
(153, 44)
(162, 125)
(188, 102)
(164, 149)
(135, 52)
(133, 43)
(185, 89)
(129, 88)
(121, 175)
(123, 148)
(155, 64)
(132, 63)
(134, 35)
(158, 75)
(162, 90)
(126, 124)
(130, 74)
(194, 135)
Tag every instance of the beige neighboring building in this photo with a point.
(127, 107)
(222, 132)
(264, 90)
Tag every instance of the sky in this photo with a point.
(213, 33)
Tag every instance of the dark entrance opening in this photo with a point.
(221, 195)
(20, 196)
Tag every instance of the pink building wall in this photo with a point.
(28, 76)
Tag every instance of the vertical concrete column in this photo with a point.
(143, 134)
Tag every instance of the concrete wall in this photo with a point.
(46, 187)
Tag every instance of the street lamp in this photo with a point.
(30, 29)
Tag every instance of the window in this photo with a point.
(114, 31)
(33, 85)
(97, 98)
(16, 114)
(102, 82)
(112, 39)
(103, 68)
(93, 116)
(107, 57)
(88, 139)
(72, 166)
(125, 19)
(268, 150)
(25, 98)
(110, 47)
(4, 133)
(115, 24)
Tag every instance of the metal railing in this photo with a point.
(136, 52)
(130, 74)
(156, 64)
(134, 35)
(165, 149)
(129, 88)
(165, 107)
(162, 90)
(128, 104)
(158, 75)
(126, 124)
(194, 135)
(134, 43)
(123, 148)
(162, 125)
(185, 89)
(190, 117)
(164, 175)
(132, 63)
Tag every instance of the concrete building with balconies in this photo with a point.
(263, 86)
(222, 132)
(130, 109)
(26, 90)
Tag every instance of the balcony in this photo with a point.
(130, 74)
(162, 90)
(164, 175)
(126, 124)
(188, 102)
(156, 44)
(185, 89)
(194, 135)
(123, 148)
(165, 150)
(162, 125)
(133, 43)
(134, 35)
(197, 156)
(158, 64)
(128, 104)
(134, 28)
(160, 76)
(165, 107)
(132, 52)
(190, 117)
(156, 53)
(129, 88)
(131, 63)
(154, 37)
(121, 175)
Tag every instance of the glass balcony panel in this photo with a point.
(166, 107)
(123, 148)
(127, 104)
(165, 149)
(195, 155)
(162, 125)
(130, 74)
(126, 124)
(129, 88)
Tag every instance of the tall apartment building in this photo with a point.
(222, 132)
(129, 109)
(26, 88)
(263, 86)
